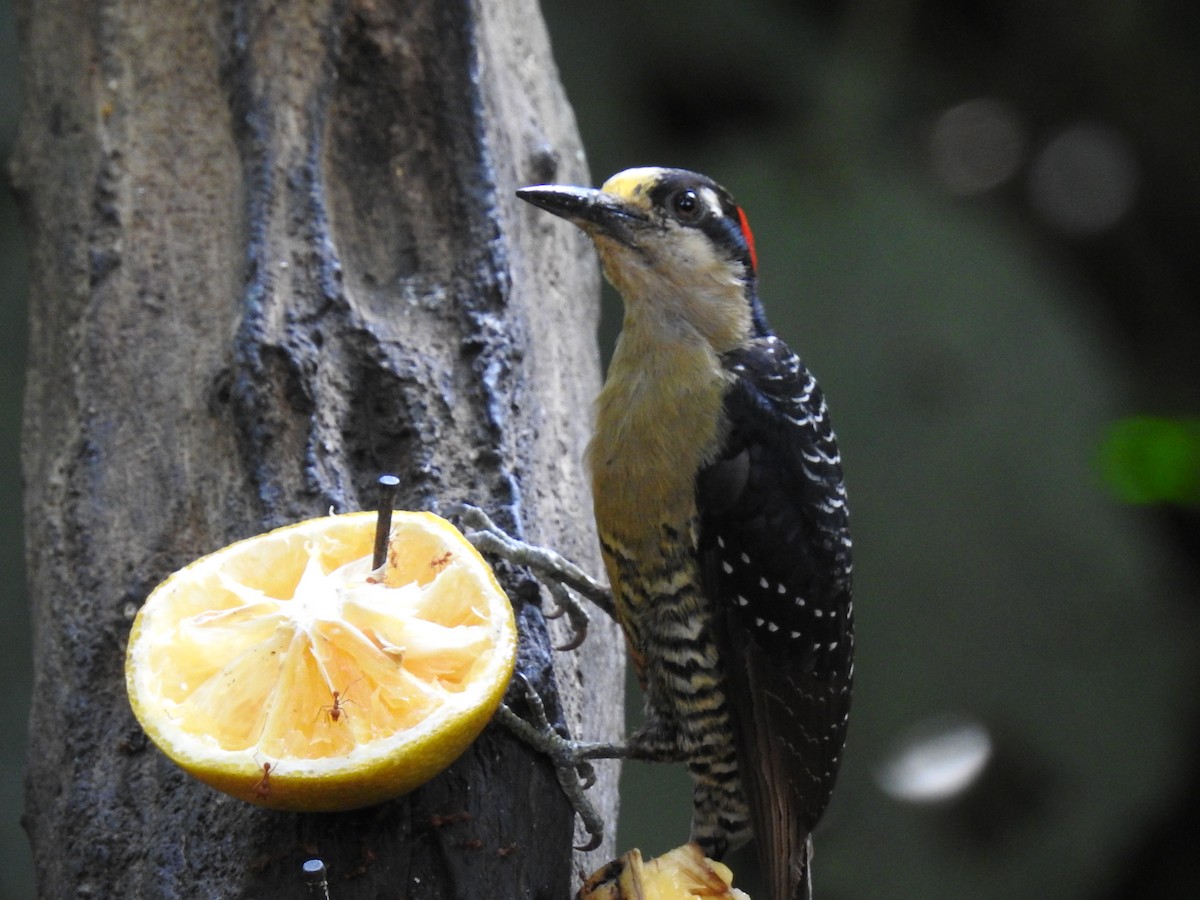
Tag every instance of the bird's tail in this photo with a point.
(801, 879)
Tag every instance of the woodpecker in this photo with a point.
(721, 511)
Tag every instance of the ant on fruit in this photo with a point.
(335, 709)
(440, 562)
(263, 787)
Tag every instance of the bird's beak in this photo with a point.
(597, 213)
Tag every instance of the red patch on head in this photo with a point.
(749, 236)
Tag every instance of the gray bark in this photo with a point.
(275, 252)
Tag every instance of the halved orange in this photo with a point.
(281, 670)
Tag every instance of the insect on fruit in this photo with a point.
(440, 562)
(263, 787)
(333, 711)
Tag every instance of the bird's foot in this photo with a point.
(571, 759)
(562, 578)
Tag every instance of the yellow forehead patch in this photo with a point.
(632, 184)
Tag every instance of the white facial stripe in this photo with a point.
(711, 201)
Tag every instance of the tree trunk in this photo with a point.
(275, 252)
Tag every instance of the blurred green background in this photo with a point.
(978, 222)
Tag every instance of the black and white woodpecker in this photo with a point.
(722, 517)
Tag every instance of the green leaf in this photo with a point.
(1150, 460)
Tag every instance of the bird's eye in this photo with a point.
(686, 206)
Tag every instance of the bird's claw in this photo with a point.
(563, 581)
(575, 773)
(565, 605)
(559, 575)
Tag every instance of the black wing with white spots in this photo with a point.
(776, 554)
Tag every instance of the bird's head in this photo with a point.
(674, 244)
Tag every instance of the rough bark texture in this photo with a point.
(275, 251)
